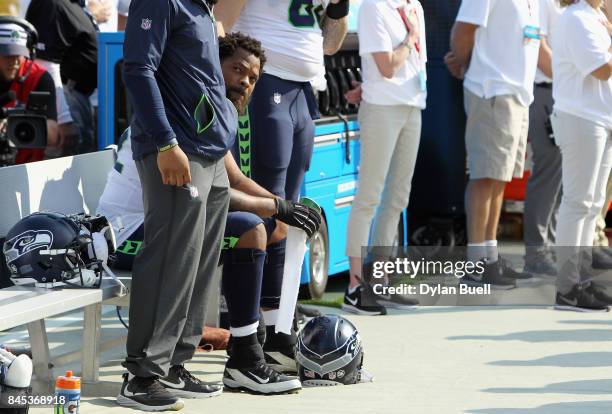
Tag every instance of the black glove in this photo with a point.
(298, 215)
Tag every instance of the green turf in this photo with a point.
(335, 303)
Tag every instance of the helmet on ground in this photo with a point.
(51, 249)
(329, 352)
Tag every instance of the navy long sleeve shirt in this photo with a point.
(173, 76)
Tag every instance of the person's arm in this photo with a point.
(462, 41)
(545, 57)
(375, 39)
(46, 84)
(261, 206)
(228, 11)
(586, 50)
(241, 182)
(388, 63)
(333, 26)
(604, 72)
(143, 51)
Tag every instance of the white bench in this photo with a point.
(66, 185)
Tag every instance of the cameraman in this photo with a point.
(22, 76)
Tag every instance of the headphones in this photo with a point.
(30, 30)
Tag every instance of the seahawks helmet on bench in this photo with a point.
(329, 352)
(51, 249)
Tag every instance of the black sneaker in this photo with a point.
(396, 301)
(492, 275)
(540, 263)
(147, 394)
(260, 380)
(580, 300)
(599, 292)
(507, 271)
(601, 260)
(353, 302)
(282, 359)
(181, 383)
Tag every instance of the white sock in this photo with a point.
(476, 251)
(270, 317)
(352, 290)
(492, 251)
(244, 330)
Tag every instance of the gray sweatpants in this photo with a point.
(543, 194)
(174, 268)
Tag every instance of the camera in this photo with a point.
(26, 127)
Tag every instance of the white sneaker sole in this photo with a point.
(128, 402)
(240, 381)
(578, 309)
(394, 305)
(193, 395)
(357, 311)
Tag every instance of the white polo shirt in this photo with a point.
(582, 45)
(381, 29)
(503, 62)
(550, 10)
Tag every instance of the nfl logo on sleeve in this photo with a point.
(277, 98)
(146, 24)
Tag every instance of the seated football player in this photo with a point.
(256, 219)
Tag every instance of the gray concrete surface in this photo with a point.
(438, 360)
(441, 360)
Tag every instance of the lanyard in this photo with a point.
(529, 7)
(402, 13)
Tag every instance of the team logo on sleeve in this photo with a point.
(146, 24)
(277, 98)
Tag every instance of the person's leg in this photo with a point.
(544, 184)
(582, 154)
(242, 276)
(126, 253)
(398, 182)
(380, 128)
(166, 267)
(82, 116)
(206, 257)
(601, 239)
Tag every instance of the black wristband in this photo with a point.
(337, 11)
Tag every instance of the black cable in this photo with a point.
(120, 318)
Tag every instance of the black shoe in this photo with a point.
(181, 383)
(260, 380)
(492, 275)
(599, 292)
(147, 394)
(397, 301)
(579, 300)
(279, 350)
(282, 359)
(353, 302)
(540, 263)
(601, 260)
(507, 271)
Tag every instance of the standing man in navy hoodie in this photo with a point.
(182, 127)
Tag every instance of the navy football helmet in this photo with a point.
(51, 249)
(329, 352)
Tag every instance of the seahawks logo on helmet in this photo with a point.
(27, 242)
